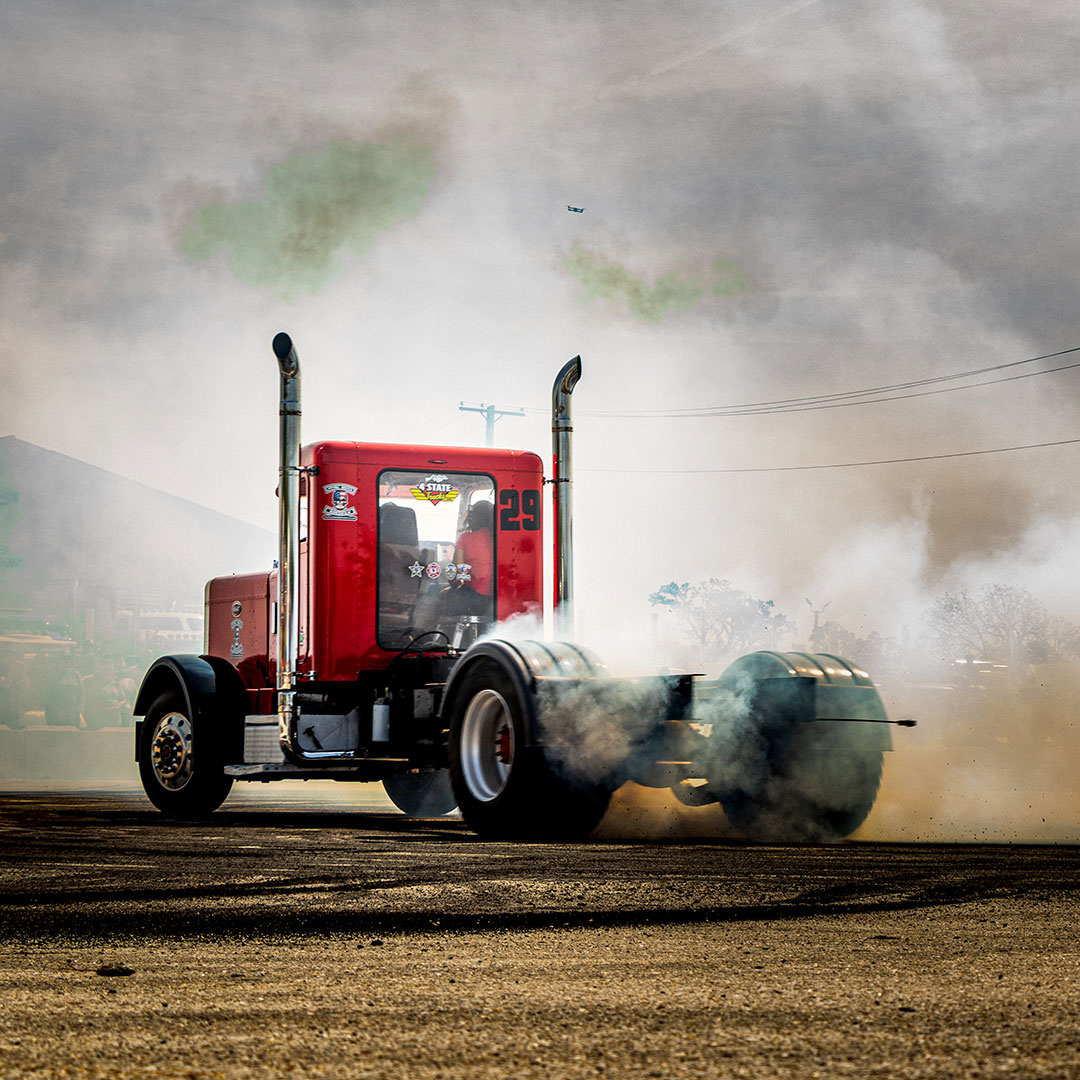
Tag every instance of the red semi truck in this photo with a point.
(372, 652)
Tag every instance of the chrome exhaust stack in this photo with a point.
(288, 617)
(288, 593)
(561, 451)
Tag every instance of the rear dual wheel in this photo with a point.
(823, 788)
(795, 750)
(814, 782)
(505, 787)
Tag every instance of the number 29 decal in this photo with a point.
(519, 510)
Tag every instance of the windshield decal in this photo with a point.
(435, 488)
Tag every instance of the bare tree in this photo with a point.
(835, 638)
(1004, 623)
(721, 620)
(1061, 641)
(882, 656)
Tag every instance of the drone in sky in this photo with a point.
(576, 209)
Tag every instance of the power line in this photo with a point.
(457, 418)
(425, 425)
(867, 396)
(839, 464)
(823, 399)
(910, 384)
(875, 400)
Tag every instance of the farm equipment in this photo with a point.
(377, 650)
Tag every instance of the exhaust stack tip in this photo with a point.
(282, 345)
(565, 382)
(286, 354)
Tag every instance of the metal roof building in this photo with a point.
(85, 547)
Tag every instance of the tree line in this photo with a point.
(998, 623)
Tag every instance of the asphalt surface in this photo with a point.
(302, 934)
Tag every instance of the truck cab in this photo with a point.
(399, 546)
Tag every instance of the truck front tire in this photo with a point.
(182, 777)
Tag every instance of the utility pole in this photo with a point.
(817, 612)
(490, 414)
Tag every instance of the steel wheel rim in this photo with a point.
(487, 745)
(170, 752)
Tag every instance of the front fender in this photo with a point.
(210, 687)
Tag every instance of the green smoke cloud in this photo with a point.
(727, 278)
(605, 279)
(315, 204)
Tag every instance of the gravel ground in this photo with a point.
(943, 993)
(360, 945)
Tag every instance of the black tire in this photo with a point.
(505, 788)
(819, 787)
(421, 795)
(182, 778)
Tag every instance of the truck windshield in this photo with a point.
(436, 557)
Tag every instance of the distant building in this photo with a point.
(99, 555)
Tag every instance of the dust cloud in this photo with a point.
(809, 199)
(991, 758)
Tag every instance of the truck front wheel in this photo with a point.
(182, 777)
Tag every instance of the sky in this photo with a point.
(780, 200)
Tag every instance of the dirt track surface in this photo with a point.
(289, 936)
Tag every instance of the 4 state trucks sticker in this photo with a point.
(435, 488)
